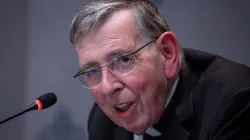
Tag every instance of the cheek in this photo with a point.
(100, 100)
(98, 97)
(143, 85)
(149, 87)
(138, 83)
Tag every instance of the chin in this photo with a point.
(137, 129)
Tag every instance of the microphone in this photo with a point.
(44, 101)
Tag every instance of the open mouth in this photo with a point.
(123, 107)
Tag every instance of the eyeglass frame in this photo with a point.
(80, 72)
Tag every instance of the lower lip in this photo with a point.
(127, 113)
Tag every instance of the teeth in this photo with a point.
(123, 106)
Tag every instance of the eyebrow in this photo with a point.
(117, 52)
(88, 65)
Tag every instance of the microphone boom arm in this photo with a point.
(33, 106)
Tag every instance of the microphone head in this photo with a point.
(46, 100)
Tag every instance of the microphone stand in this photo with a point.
(33, 106)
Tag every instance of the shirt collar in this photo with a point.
(151, 131)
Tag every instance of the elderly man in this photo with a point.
(147, 87)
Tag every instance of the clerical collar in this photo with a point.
(151, 131)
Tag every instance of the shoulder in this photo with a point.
(222, 94)
(218, 77)
(214, 70)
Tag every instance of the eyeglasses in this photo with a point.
(120, 66)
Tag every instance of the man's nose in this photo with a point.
(111, 84)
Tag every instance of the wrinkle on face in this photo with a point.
(111, 36)
(142, 86)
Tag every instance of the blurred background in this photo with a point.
(36, 57)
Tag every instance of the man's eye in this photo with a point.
(124, 59)
(92, 72)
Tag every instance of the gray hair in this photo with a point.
(149, 20)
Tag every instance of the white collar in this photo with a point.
(151, 131)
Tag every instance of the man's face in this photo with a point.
(137, 100)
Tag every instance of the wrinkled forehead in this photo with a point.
(117, 35)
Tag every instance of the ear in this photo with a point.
(169, 49)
